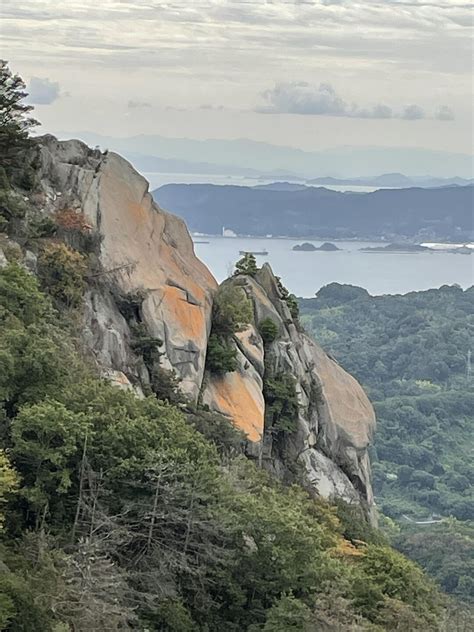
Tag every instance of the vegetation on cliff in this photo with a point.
(118, 512)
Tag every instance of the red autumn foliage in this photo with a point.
(69, 219)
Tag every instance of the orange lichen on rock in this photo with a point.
(189, 318)
(241, 399)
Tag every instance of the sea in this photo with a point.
(304, 273)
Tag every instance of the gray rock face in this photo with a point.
(335, 419)
(142, 249)
(148, 264)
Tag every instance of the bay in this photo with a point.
(304, 273)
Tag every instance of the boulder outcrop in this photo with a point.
(142, 250)
(335, 419)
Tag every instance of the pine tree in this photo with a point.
(15, 122)
(247, 265)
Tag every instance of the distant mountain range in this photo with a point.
(414, 213)
(395, 180)
(243, 156)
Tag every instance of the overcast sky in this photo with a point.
(311, 74)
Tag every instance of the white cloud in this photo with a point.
(42, 91)
(184, 53)
(413, 113)
(444, 113)
(300, 97)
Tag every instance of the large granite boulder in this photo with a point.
(335, 419)
(142, 249)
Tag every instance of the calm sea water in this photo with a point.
(305, 272)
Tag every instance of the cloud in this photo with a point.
(412, 113)
(301, 97)
(376, 112)
(133, 105)
(209, 106)
(42, 91)
(444, 113)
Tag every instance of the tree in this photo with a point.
(15, 123)
(268, 329)
(95, 594)
(281, 402)
(232, 310)
(46, 437)
(62, 271)
(247, 265)
(8, 484)
(288, 614)
(221, 355)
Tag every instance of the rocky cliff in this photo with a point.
(148, 279)
(144, 252)
(334, 419)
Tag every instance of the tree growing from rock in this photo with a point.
(247, 265)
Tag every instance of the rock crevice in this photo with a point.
(335, 420)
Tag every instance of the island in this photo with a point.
(398, 248)
(307, 247)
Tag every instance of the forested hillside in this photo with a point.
(136, 514)
(317, 211)
(411, 353)
(128, 506)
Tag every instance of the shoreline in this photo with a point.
(434, 246)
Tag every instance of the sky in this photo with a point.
(309, 74)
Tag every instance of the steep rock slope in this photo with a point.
(143, 250)
(146, 263)
(335, 419)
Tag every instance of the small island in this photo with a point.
(307, 247)
(398, 248)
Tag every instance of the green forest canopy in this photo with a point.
(172, 540)
(410, 353)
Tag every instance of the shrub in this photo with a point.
(268, 330)
(281, 402)
(75, 229)
(232, 310)
(288, 614)
(290, 299)
(165, 385)
(62, 272)
(144, 344)
(41, 226)
(12, 208)
(221, 356)
(246, 265)
(217, 429)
